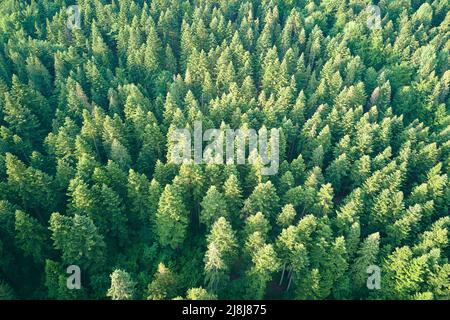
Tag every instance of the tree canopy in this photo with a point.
(86, 177)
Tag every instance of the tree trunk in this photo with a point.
(282, 274)
(290, 279)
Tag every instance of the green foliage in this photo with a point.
(199, 294)
(31, 236)
(122, 286)
(78, 240)
(6, 292)
(264, 199)
(171, 218)
(213, 207)
(87, 179)
(164, 284)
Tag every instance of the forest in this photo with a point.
(91, 90)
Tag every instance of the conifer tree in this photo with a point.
(122, 286)
(78, 240)
(171, 218)
(213, 207)
(164, 284)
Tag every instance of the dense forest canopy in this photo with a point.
(86, 178)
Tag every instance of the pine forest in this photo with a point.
(94, 206)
